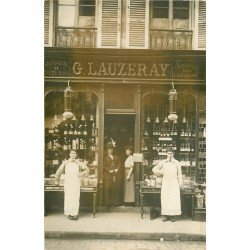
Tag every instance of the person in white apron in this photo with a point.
(73, 170)
(170, 169)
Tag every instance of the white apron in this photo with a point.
(170, 190)
(71, 189)
(129, 187)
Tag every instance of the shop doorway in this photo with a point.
(121, 128)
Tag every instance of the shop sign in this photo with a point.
(56, 67)
(122, 69)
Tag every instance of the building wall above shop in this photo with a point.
(126, 24)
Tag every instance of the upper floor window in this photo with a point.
(181, 9)
(160, 9)
(86, 7)
(170, 14)
(66, 13)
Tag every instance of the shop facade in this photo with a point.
(123, 96)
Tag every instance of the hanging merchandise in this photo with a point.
(148, 118)
(172, 101)
(157, 120)
(172, 104)
(184, 120)
(68, 96)
(166, 117)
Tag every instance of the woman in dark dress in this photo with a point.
(111, 173)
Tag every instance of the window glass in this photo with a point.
(181, 9)
(66, 2)
(87, 8)
(160, 9)
(66, 15)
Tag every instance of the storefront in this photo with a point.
(123, 95)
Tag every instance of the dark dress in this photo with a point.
(112, 181)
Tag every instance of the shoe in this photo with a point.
(70, 217)
(172, 219)
(75, 217)
(165, 218)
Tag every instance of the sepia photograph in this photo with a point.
(125, 124)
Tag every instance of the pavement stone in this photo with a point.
(127, 226)
(76, 244)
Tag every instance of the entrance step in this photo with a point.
(123, 209)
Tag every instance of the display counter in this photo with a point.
(146, 189)
(91, 189)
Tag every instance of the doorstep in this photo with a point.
(122, 225)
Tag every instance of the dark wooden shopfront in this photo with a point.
(121, 81)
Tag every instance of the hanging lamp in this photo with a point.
(68, 96)
(172, 101)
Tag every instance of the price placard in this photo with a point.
(165, 139)
(138, 157)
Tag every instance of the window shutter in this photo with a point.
(138, 23)
(202, 25)
(48, 23)
(109, 26)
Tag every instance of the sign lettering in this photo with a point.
(58, 67)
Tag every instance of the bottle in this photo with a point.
(154, 129)
(77, 143)
(146, 129)
(66, 129)
(81, 147)
(174, 146)
(74, 143)
(182, 132)
(171, 131)
(175, 129)
(167, 130)
(71, 131)
(154, 145)
(192, 147)
(158, 146)
(65, 143)
(96, 131)
(56, 129)
(92, 144)
(69, 144)
(93, 129)
(49, 144)
(193, 132)
(75, 131)
(164, 129)
(51, 129)
(187, 132)
(85, 131)
(79, 130)
(55, 143)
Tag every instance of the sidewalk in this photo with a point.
(122, 225)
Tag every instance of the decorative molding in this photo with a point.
(76, 38)
(171, 39)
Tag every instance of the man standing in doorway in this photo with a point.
(111, 172)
